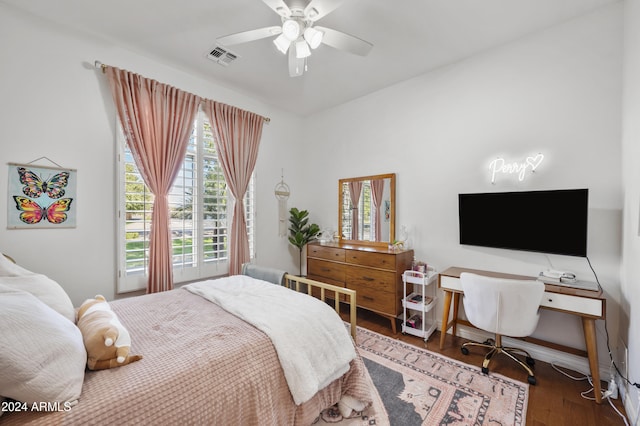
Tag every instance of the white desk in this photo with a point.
(588, 305)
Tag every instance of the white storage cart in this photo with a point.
(419, 303)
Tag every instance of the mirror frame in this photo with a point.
(392, 213)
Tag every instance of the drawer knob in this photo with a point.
(367, 298)
(368, 278)
(550, 300)
(326, 269)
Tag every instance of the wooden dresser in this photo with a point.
(375, 274)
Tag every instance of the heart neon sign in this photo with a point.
(500, 166)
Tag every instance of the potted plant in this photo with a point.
(301, 231)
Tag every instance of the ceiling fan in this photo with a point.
(298, 33)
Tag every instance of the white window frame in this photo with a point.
(127, 282)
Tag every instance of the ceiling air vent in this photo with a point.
(222, 56)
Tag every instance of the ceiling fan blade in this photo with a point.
(344, 41)
(296, 65)
(251, 35)
(279, 7)
(316, 9)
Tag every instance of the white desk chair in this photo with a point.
(505, 307)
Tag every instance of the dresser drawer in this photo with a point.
(375, 300)
(375, 260)
(329, 253)
(372, 279)
(326, 280)
(322, 268)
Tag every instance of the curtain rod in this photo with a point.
(99, 65)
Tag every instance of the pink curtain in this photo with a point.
(237, 137)
(377, 189)
(355, 187)
(157, 121)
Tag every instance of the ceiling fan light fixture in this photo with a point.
(302, 49)
(282, 43)
(313, 37)
(312, 13)
(291, 29)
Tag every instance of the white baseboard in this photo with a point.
(541, 353)
(632, 410)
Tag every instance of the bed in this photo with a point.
(201, 365)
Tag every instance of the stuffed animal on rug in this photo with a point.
(107, 341)
(347, 408)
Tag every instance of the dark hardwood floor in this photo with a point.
(554, 400)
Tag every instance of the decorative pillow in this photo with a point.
(41, 286)
(107, 341)
(42, 358)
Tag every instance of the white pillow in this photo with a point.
(10, 269)
(43, 357)
(44, 288)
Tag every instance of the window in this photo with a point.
(365, 215)
(200, 218)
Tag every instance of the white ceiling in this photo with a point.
(410, 37)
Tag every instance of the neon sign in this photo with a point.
(500, 166)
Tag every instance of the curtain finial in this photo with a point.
(100, 65)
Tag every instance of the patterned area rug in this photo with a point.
(418, 387)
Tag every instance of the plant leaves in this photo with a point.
(301, 232)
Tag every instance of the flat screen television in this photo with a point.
(552, 221)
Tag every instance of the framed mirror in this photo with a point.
(366, 210)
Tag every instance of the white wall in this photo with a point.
(630, 320)
(55, 104)
(556, 92)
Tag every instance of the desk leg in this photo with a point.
(589, 326)
(456, 305)
(445, 317)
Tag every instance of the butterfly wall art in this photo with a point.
(41, 197)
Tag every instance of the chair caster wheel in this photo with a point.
(489, 342)
(464, 350)
(530, 361)
(531, 380)
(485, 370)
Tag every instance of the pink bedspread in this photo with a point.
(201, 366)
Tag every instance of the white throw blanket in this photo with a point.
(311, 340)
